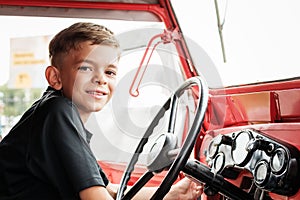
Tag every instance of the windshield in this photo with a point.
(261, 38)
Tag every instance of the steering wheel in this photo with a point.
(165, 143)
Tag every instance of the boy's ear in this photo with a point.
(53, 77)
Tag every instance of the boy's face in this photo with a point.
(88, 76)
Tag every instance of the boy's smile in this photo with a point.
(88, 76)
(98, 94)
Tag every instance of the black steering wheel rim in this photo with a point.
(187, 147)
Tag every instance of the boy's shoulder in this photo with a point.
(53, 100)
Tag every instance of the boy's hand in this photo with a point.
(185, 189)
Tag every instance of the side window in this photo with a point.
(24, 58)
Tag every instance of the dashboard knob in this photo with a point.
(259, 144)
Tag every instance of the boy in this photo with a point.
(46, 155)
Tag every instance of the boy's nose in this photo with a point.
(100, 79)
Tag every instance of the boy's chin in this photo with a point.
(97, 108)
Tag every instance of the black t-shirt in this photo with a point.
(46, 155)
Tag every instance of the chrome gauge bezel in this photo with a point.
(219, 162)
(239, 152)
(261, 167)
(212, 149)
(279, 152)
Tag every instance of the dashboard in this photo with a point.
(272, 164)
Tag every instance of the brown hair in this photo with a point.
(71, 37)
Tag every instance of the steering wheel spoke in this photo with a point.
(138, 185)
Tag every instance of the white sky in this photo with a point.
(261, 37)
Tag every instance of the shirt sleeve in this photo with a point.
(61, 153)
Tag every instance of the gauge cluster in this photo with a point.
(274, 165)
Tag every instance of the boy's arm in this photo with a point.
(185, 189)
(95, 193)
(144, 193)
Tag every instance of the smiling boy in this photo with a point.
(47, 155)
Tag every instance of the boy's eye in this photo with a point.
(85, 68)
(111, 73)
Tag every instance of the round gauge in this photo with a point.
(214, 146)
(239, 151)
(261, 172)
(278, 160)
(219, 162)
(212, 149)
